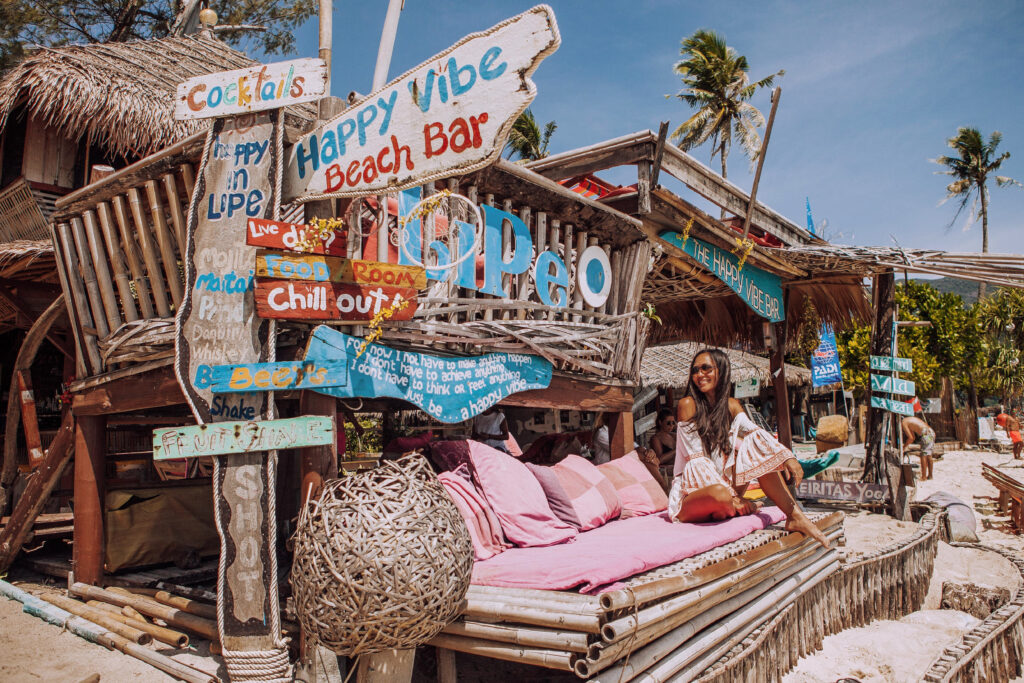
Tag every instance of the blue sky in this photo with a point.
(871, 93)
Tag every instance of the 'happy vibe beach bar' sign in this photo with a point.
(447, 116)
(759, 289)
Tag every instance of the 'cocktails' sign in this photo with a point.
(450, 115)
(264, 86)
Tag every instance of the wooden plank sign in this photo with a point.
(891, 363)
(223, 438)
(451, 389)
(300, 300)
(892, 385)
(317, 268)
(892, 405)
(842, 490)
(262, 232)
(257, 88)
(227, 379)
(448, 116)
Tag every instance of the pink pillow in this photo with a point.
(639, 492)
(516, 498)
(592, 495)
(483, 525)
(557, 498)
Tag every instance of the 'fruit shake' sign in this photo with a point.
(450, 115)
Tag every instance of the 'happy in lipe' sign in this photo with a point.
(450, 389)
(448, 116)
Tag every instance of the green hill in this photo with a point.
(967, 289)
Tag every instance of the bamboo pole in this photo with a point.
(142, 289)
(92, 288)
(531, 614)
(97, 634)
(164, 242)
(99, 617)
(188, 592)
(555, 244)
(99, 260)
(188, 179)
(177, 215)
(587, 604)
(516, 634)
(200, 609)
(149, 253)
(162, 634)
(65, 277)
(68, 263)
(551, 659)
(121, 276)
(171, 615)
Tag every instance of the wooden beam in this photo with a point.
(16, 303)
(627, 149)
(155, 389)
(659, 153)
(620, 433)
(778, 370)
(571, 393)
(317, 462)
(90, 489)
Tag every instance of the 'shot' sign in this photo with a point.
(450, 115)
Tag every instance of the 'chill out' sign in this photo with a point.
(447, 116)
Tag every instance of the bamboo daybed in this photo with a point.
(755, 605)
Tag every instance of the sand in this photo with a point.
(903, 650)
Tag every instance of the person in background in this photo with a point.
(1012, 427)
(719, 450)
(917, 430)
(491, 428)
(600, 444)
(663, 443)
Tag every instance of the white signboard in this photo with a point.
(747, 388)
(264, 86)
(449, 115)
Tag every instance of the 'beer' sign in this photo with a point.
(448, 116)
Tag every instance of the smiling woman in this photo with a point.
(719, 450)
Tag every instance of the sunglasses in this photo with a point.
(706, 367)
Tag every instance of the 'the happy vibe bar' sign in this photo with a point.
(449, 115)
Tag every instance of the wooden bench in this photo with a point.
(1011, 494)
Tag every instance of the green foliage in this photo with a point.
(717, 86)
(1002, 319)
(367, 442)
(24, 23)
(526, 140)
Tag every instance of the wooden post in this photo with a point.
(390, 666)
(90, 489)
(620, 433)
(447, 672)
(643, 187)
(318, 462)
(778, 370)
(881, 345)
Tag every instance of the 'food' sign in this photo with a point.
(449, 115)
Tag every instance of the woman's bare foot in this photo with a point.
(798, 522)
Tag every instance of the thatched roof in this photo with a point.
(29, 260)
(117, 95)
(669, 366)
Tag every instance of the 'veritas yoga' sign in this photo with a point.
(447, 116)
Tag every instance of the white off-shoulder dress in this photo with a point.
(754, 453)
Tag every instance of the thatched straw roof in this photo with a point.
(29, 260)
(669, 366)
(117, 95)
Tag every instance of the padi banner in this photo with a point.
(451, 389)
(825, 368)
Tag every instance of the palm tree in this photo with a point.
(526, 140)
(970, 170)
(718, 87)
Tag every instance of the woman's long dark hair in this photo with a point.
(713, 421)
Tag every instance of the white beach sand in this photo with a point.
(889, 651)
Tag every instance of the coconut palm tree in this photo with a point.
(526, 140)
(975, 160)
(719, 89)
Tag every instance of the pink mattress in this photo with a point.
(614, 551)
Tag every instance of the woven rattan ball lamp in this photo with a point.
(382, 560)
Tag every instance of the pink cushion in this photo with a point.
(638, 491)
(558, 501)
(516, 498)
(592, 495)
(484, 527)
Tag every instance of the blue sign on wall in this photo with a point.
(759, 289)
(451, 389)
(825, 368)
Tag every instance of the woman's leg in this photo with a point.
(709, 504)
(775, 488)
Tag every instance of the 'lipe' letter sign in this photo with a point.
(448, 116)
(217, 325)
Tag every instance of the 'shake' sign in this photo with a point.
(224, 438)
(264, 86)
(449, 115)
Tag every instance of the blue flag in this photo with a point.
(825, 359)
(810, 219)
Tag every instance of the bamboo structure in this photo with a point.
(173, 616)
(755, 605)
